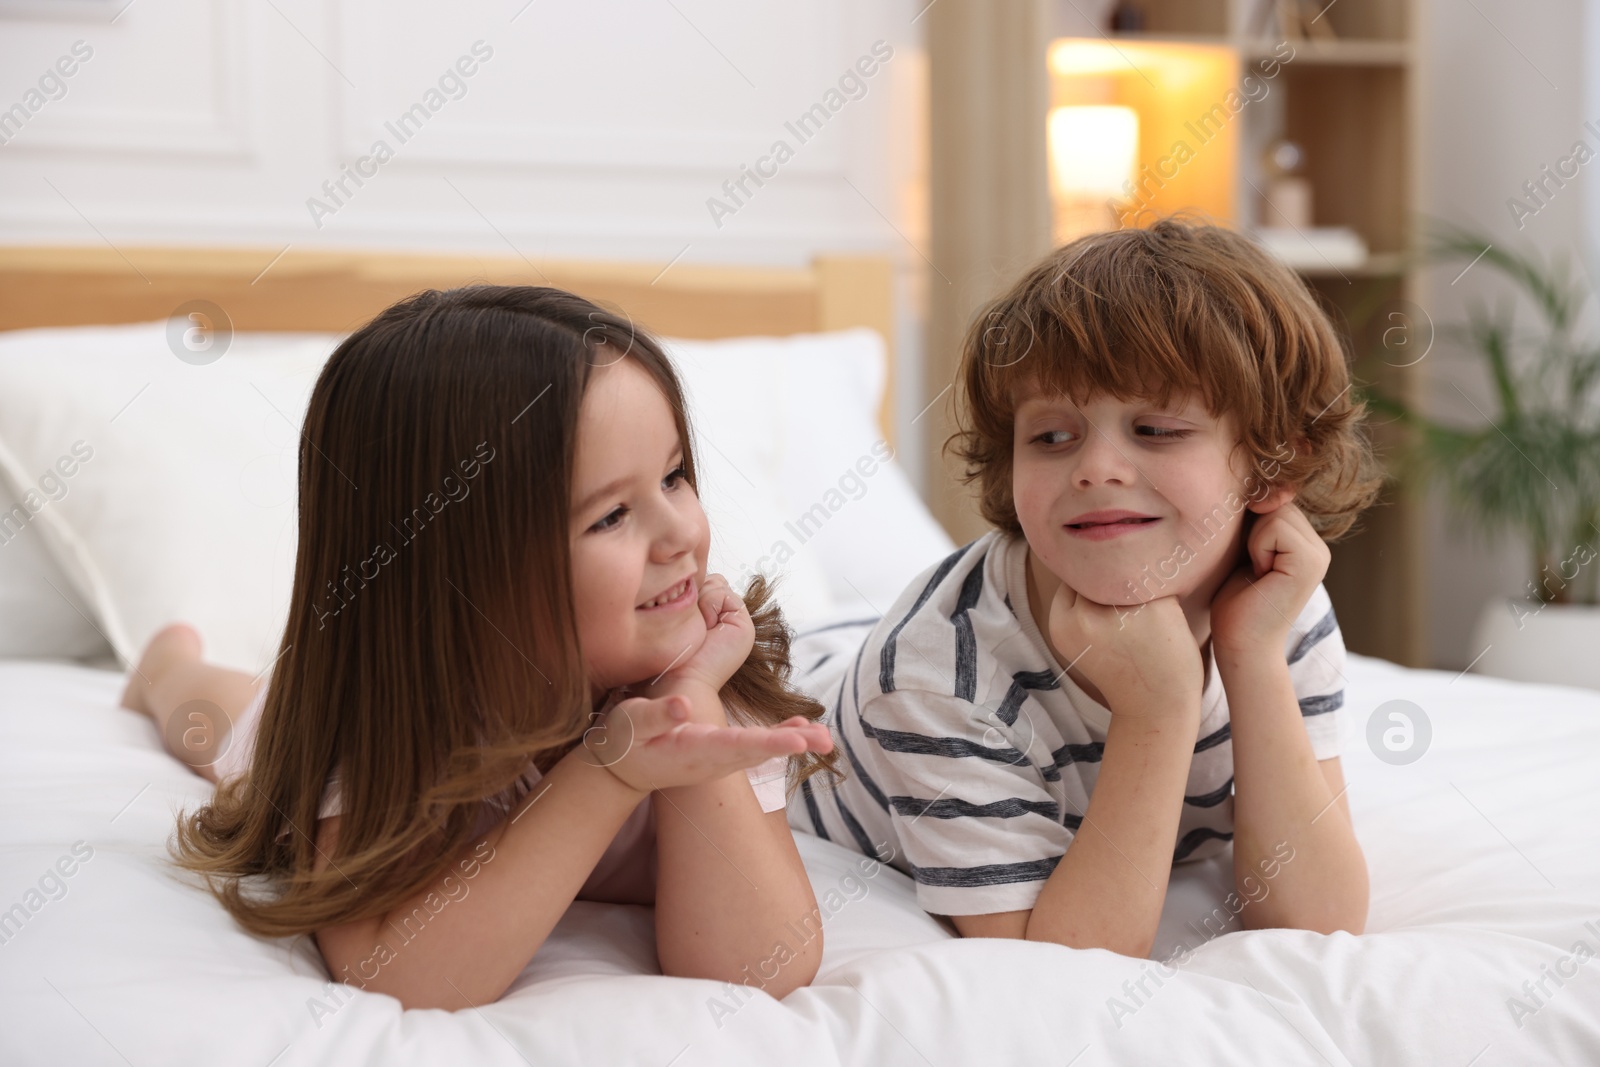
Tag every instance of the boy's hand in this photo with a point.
(730, 635)
(1285, 559)
(1128, 653)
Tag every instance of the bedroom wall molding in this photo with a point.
(219, 128)
(628, 145)
(214, 122)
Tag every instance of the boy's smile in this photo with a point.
(1105, 524)
(1127, 501)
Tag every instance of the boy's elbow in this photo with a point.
(1324, 917)
(1352, 918)
(1348, 920)
(1347, 912)
(1134, 946)
(1035, 925)
(1136, 943)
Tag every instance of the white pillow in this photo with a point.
(41, 614)
(808, 415)
(186, 507)
(739, 463)
(742, 505)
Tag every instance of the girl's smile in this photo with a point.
(640, 539)
(678, 596)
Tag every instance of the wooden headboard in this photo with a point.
(322, 291)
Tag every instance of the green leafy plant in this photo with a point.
(1533, 467)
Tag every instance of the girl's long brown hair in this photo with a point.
(431, 650)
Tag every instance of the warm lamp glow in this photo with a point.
(1094, 151)
(1161, 115)
(1075, 57)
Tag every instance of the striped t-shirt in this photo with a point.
(971, 753)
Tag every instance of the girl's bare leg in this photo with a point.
(194, 703)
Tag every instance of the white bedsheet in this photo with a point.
(1484, 861)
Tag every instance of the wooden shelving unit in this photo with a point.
(1350, 103)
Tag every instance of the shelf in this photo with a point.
(1341, 53)
(1378, 265)
(1307, 51)
(1142, 37)
(1358, 26)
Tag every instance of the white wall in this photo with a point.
(598, 129)
(594, 129)
(1503, 92)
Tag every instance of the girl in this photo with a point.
(506, 681)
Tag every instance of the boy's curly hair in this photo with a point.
(1148, 313)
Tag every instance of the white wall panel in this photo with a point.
(596, 129)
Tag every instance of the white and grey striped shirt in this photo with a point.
(971, 753)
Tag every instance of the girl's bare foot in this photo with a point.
(171, 644)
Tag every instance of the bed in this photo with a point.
(1485, 872)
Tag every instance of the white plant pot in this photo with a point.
(1530, 642)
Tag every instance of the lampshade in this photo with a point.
(1094, 151)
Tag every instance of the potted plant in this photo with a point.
(1531, 469)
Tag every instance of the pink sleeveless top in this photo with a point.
(624, 874)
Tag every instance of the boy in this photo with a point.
(1140, 664)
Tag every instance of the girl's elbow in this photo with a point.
(797, 975)
(1349, 920)
(463, 997)
(1354, 919)
(778, 973)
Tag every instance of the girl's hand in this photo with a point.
(730, 634)
(651, 743)
(1285, 559)
(1128, 653)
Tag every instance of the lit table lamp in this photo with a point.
(1094, 155)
